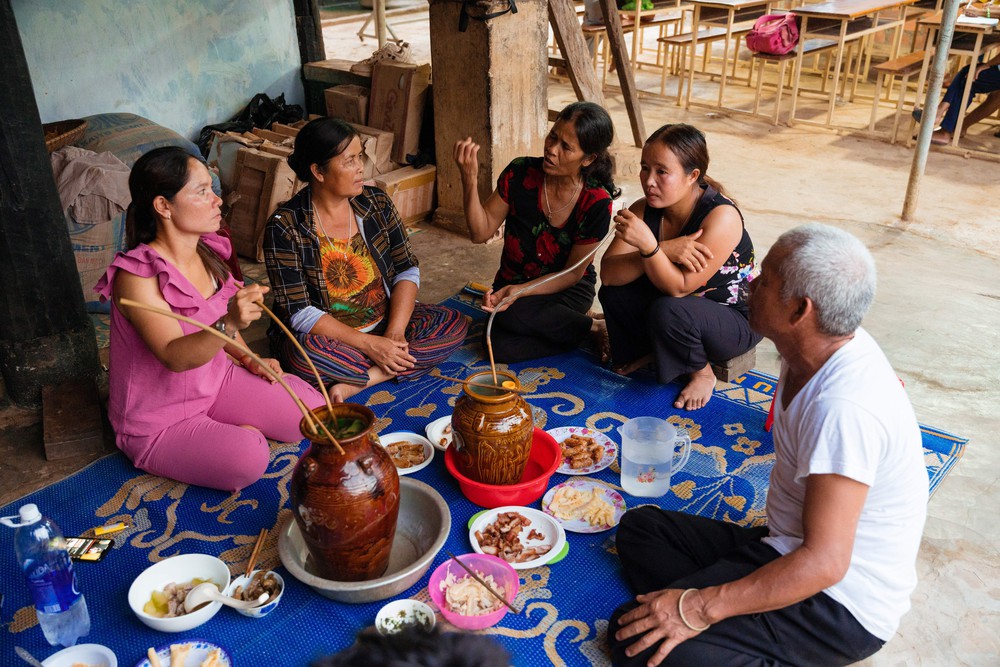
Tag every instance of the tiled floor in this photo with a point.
(937, 315)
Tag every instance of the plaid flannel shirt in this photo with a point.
(292, 250)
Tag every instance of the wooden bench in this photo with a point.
(905, 67)
(682, 41)
(811, 46)
(729, 370)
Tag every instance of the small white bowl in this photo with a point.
(268, 606)
(415, 438)
(178, 569)
(93, 655)
(435, 432)
(399, 614)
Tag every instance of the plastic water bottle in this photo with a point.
(41, 553)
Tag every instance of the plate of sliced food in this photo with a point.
(439, 432)
(584, 450)
(190, 653)
(522, 536)
(409, 451)
(584, 506)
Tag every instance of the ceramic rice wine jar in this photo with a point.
(346, 505)
(492, 430)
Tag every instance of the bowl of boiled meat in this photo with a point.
(463, 601)
(157, 595)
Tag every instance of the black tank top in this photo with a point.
(729, 284)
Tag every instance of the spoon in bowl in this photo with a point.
(208, 592)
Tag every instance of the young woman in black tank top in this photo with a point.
(674, 279)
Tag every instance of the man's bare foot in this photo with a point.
(633, 366)
(698, 390)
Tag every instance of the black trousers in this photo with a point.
(540, 326)
(682, 333)
(660, 549)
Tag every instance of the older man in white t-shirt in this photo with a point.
(827, 581)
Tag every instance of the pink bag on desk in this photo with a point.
(775, 34)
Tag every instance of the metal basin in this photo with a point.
(423, 526)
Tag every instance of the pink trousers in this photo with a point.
(213, 449)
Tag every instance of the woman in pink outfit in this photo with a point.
(181, 404)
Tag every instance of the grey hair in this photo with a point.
(834, 269)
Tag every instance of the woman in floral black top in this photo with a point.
(556, 207)
(674, 279)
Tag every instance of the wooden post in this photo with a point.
(573, 47)
(46, 336)
(624, 68)
(310, 31)
(489, 84)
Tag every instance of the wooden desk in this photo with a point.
(846, 21)
(968, 41)
(722, 13)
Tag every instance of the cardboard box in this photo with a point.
(321, 74)
(275, 137)
(399, 94)
(348, 103)
(261, 182)
(377, 147)
(412, 191)
(286, 130)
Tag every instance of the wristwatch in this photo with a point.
(220, 326)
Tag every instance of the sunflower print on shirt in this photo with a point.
(353, 282)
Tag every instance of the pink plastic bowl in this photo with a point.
(543, 460)
(503, 574)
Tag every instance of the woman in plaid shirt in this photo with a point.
(344, 276)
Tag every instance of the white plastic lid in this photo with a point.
(29, 514)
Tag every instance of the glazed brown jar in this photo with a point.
(492, 430)
(346, 505)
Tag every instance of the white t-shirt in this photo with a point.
(853, 418)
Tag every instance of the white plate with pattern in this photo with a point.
(608, 456)
(601, 491)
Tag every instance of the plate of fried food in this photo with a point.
(522, 536)
(584, 506)
(439, 432)
(409, 451)
(191, 653)
(584, 450)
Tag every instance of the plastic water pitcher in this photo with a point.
(41, 553)
(650, 455)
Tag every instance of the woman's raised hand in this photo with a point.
(466, 156)
(392, 356)
(633, 231)
(244, 307)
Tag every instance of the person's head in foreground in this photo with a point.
(813, 268)
(414, 647)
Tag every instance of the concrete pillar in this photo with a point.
(490, 83)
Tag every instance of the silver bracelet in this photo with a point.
(680, 610)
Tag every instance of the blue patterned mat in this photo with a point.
(565, 605)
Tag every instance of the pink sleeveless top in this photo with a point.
(145, 396)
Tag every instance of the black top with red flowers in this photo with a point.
(531, 246)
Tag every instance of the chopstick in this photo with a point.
(485, 585)
(256, 551)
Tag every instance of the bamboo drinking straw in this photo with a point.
(244, 349)
(295, 342)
